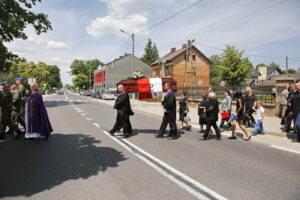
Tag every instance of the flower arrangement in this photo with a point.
(136, 76)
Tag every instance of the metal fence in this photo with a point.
(265, 94)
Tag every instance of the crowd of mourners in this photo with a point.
(22, 109)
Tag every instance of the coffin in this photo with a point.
(131, 86)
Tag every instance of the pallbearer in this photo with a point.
(6, 109)
(124, 111)
(37, 121)
(169, 104)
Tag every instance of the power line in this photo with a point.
(121, 47)
(170, 17)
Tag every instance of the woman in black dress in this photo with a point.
(183, 110)
(240, 113)
(201, 112)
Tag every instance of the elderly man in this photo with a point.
(169, 104)
(122, 104)
(212, 111)
(37, 121)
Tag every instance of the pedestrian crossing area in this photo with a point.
(72, 100)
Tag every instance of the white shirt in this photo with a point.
(260, 110)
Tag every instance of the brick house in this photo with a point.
(173, 65)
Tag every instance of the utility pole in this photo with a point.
(186, 59)
(287, 64)
(132, 52)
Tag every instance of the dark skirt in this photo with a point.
(182, 115)
(202, 119)
(241, 115)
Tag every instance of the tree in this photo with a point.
(290, 71)
(151, 53)
(14, 18)
(81, 81)
(86, 67)
(215, 75)
(233, 67)
(260, 65)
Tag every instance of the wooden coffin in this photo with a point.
(131, 86)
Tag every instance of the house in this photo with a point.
(108, 75)
(173, 65)
(272, 75)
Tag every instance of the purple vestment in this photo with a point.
(37, 116)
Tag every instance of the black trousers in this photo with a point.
(170, 119)
(209, 124)
(122, 122)
(249, 117)
(223, 122)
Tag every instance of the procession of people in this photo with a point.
(23, 109)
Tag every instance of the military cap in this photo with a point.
(19, 79)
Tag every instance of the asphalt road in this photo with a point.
(81, 161)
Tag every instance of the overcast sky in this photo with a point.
(89, 29)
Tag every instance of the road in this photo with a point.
(82, 161)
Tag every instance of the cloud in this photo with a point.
(130, 7)
(110, 25)
(56, 45)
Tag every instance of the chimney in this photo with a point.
(173, 49)
(184, 46)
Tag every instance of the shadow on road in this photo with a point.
(51, 104)
(30, 167)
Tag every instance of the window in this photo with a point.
(157, 71)
(168, 71)
(194, 57)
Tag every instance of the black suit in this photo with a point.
(124, 111)
(169, 104)
(212, 117)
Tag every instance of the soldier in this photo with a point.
(23, 97)
(16, 108)
(6, 110)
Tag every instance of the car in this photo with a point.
(94, 94)
(60, 92)
(108, 95)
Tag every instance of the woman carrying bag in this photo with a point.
(183, 111)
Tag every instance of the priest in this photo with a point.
(37, 121)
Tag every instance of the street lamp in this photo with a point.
(132, 37)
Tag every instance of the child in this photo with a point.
(260, 118)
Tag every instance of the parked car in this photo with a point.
(108, 95)
(60, 92)
(94, 94)
(86, 93)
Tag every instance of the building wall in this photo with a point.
(122, 69)
(202, 70)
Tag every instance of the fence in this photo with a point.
(265, 94)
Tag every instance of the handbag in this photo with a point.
(187, 118)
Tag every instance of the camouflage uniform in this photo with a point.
(16, 108)
(6, 110)
(23, 97)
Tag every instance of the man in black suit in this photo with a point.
(169, 104)
(212, 112)
(124, 111)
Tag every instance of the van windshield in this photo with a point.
(109, 92)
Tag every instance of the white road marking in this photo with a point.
(97, 125)
(173, 178)
(78, 100)
(82, 114)
(88, 119)
(284, 149)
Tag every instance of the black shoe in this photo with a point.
(189, 128)
(161, 135)
(203, 138)
(232, 137)
(111, 132)
(219, 138)
(127, 135)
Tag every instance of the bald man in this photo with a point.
(122, 105)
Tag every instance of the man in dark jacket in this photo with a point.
(124, 111)
(296, 110)
(169, 104)
(212, 112)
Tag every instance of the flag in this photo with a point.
(144, 89)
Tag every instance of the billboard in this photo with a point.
(100, 77)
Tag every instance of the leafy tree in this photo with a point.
(290, 71)
(260, 65)
(15, 16)
(151, 53)
(234, 68)
(85, 67)
(275, 65)
(215, 75)
(81, 81)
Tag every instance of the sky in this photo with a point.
(268, 30)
